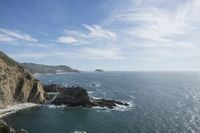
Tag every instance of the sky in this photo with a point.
(123, 35)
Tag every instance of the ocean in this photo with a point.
(159, 102)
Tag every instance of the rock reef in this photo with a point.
(72, 96)
(78, 96)
(53, 88)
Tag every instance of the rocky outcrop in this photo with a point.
(4, 128)
(78, 96)
(16, 84)
(105, 103)
(73, 96)
(53, 88)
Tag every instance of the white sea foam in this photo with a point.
(132, 97)
(117, 108)
(14, 108)
(124, 108)
(51, 106)
(79, 131)
(98, 109)
(96, 97)
(101, 109)
(90, 92)
(95, 84)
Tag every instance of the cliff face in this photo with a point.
(16, 84)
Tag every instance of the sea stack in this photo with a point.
(78, 96)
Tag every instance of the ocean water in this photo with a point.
(160, 102)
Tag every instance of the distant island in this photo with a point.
(99, 70)
(44, 69)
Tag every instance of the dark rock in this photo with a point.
(4, 128)
(72, 96)
(78, 96)
(48, 96)
(94, 85)
(53, 88)
(105, 103)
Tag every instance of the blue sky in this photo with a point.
(108, 34)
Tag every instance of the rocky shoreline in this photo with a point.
(4, 127)
(70, 96)
(14, 108)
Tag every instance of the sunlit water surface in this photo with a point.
(159, 102)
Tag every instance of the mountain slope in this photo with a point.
(39, 68)
(16, 84)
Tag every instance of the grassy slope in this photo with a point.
(7, 59)
(39, 68)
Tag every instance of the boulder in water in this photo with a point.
(105, 103)
(52, 88)
(72, 96)
(78, 96)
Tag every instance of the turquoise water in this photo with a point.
(159, 102)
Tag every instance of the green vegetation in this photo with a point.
(39, 68)
(4, 128)
(7, 59)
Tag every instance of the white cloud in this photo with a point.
(79, 54)
(12, 35)
(94, 32)
(67, 39)
(105, 53)
(30, 55)
(173, 27)
(5, 38)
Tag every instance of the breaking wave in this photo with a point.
(79, 131)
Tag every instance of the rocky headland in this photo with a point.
(17, 85)
(46, 69)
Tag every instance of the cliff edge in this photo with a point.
(16, 84)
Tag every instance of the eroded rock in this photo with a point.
(78, 96)
(72, 96)
(16, 84)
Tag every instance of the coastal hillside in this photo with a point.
(16, 84)
(39, 68)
